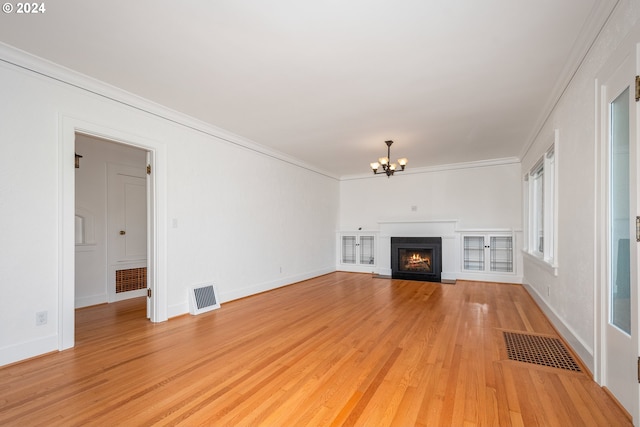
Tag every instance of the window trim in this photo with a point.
(547, 167)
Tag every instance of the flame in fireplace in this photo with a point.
(416, 262)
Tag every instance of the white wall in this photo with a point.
(91, 270)
(246, 220)
(253, 222)
(571, 304)
(281, 218)
(482, 195)
(447, 201)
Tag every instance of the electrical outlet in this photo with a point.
(41, 318)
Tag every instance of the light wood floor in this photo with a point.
(339, 350)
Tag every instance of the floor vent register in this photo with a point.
(539, 350)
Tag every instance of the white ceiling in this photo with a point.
(327, 82)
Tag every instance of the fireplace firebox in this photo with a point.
(416, 258)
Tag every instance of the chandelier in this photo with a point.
(388, 168)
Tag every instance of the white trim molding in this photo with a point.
(441, 168)
(26, 61)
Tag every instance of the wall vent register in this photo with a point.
(203, 298)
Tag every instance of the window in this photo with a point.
(537, 213)
(540, 206)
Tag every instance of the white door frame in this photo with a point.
(629, 47)
(157, 258)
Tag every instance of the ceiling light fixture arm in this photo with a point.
(387, 167)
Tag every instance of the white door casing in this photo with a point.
(151, 221)
(617, 258)
(157, 211)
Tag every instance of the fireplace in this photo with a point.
(416, 258)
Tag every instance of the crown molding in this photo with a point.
(441, 168)
(33, 64)
(595, 23)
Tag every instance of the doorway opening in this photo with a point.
(156, 153)
(110, 221)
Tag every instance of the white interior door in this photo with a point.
(127, 230)
(131, 211)
(620, 334)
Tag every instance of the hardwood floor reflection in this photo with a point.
(339, 350)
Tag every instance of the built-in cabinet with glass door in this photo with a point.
(357, 252)
(487, 253)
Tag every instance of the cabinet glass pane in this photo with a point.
(367, 253)
(348, 249)
(473, 253)
(501, 255)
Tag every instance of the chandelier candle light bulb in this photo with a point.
(388, 169)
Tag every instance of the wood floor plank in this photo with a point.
(342, 349)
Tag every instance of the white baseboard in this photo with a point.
(384, 272)
(448, 277)
(178, 309)
(489, 277)
(452, 276)
(565, 331)
(91, 300)
(226, 296)
(130, 294)
(274, 284)
(357, 268)
(26, 350)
